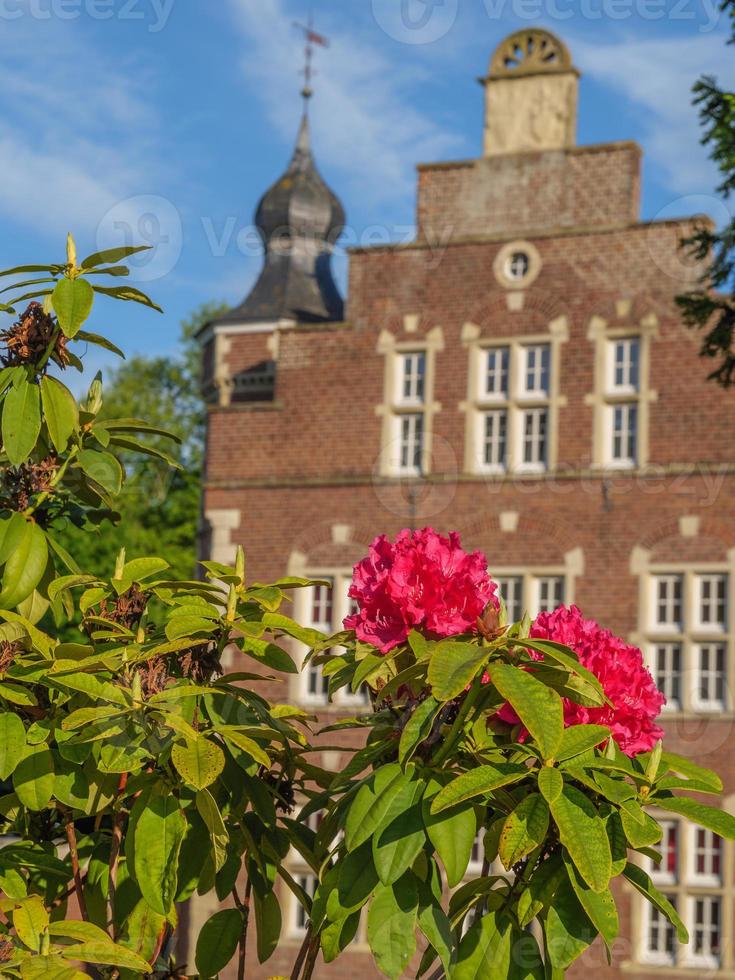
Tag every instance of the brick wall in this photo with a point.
(582, 187)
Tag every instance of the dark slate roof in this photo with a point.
(299, 220)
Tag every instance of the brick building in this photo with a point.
(518, 373)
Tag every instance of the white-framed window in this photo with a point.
(622, 392)
(666, 668)
(477, 855)
(667, 872)
(705, 916)
(623, 363)
(691, 875)
(711, 606)
(495, 372)
(324, 607)
(495, 442)
(535, 367)
(549, 592)
(668, 601)
(410, 443)
(532, 593)
(705, 858)
(299, 917)
(511, 407)
(624, 433)
(660, 944)
(411, 381)
(689, 639)
(534, 424)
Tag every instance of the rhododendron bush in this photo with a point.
(540, 737)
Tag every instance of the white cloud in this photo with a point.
(76, 134)
(364, 118)
(657, 77)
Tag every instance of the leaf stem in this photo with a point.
(302, 954)
(71, 837)
(117, 825)
(244, 908)
(455, 730)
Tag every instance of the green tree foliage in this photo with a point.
(134, 771)
(711, 308)
(159, 508)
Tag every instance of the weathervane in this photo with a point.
(312, 38)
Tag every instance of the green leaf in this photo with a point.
(72, 300)
(128, 293)
(25, 567)
(33, 779)
(373, 801)
(209, 812)
(550, 783)
(452, 667)
(580, 738)
(643, 884)
(199, 763)
(567, 927)
(356, 879)
(582, 831)
(398, 841)
(493, 947)
(452, 833)
(540, 890)
(99, 341)
(477, 782)
(21, 424)
(106, 954)
(43, 967)
(639, 833)
(60, 411)
(81, 931)
(524, 829)
(711, 817)
(685, 767)
(436, 927)
(268, 924)
(107, 257)
(31, 920)
(417, 728)
(391, 924)
(12, 743)
(103, 468)
(599, 906)
(539, 707)
(160, 826)
(218, 941)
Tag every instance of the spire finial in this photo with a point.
(312, 38)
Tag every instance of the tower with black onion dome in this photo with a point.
(299, 220)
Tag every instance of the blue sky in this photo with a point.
(167, 119)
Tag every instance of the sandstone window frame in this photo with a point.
(340, 606)
(615, 404)
(517, 402)
(666, 622)
(399, 412)
(530, 581)
(685, 887)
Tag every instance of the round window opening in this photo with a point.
(517, 266)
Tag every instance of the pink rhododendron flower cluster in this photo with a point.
(636, 701)
(422, 579)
